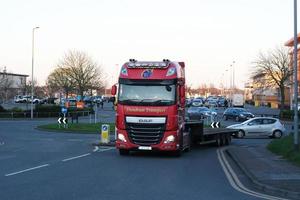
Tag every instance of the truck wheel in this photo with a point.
(124, 152)
(227, 139)
(222, 139)
(218, 141)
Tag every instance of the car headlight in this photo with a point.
(169, 139)
(121, 137)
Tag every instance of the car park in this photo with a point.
(197, 113)
(197, 102)
(260, 126)
(238, 114)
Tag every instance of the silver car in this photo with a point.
(260, 126)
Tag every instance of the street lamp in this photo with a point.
(32, 64)
(296, 139)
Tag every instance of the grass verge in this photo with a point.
(285, 148)
(77, 128)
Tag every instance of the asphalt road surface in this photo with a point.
(48, 165)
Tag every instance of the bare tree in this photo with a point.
(272, 70)
(82, 71)
(60, 79)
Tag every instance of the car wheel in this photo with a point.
(237, 119)
(225, 117)
(277, 134)
(240, 134)
(124, 152)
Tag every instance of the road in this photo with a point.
(48, 165)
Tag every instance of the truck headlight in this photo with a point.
(121, 137)
(169, 139)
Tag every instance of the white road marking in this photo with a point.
(75, 140)
(235, 182)
(96, 149)
(72, 158)
(26, 170)
(102, 149)
(106, 149)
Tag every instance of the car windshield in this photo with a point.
(147, 94)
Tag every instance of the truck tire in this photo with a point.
(223, 139)
(123, 152)
(218, 141)
(227, 139)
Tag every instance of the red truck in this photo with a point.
(150, 111)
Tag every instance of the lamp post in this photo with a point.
(32, 65)
(296, 139)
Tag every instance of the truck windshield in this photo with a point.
(147, 94)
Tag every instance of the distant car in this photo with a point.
(98, 99)
(211, 103)
(197, 113)
(197, 102)
(238, 114)
(19, 99)
(260, 126)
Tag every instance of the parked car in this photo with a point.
(197, 113)
(197, 102)
(98, 99)
(19, 99)
(239, 114)
(211, 103)
(260, 126)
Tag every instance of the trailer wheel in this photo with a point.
(218, 141)
(123, 152)
(227, 139)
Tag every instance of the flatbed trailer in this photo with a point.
(201, 135)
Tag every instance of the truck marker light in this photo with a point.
(124, 71)
(171, 71)
(121, 137)
(169, 139)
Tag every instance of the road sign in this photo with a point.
(215, 124)
(64, 110)
(65, 120)
(59, 120)
(62, 120)
(105, 133)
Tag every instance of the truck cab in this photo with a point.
(150, 109)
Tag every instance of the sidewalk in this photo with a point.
(267, 171)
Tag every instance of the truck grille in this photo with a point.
(145, 134)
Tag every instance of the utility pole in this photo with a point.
(296, 139)
(32, 64)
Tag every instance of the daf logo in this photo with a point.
(145, 120)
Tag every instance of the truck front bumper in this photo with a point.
(162, 146)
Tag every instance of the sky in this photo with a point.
(208, 35)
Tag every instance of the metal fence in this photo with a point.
(14, 115)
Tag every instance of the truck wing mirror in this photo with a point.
(114, 90)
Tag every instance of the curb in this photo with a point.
(259, 185)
